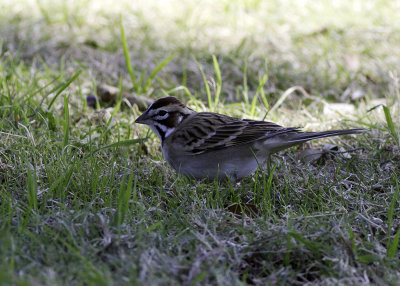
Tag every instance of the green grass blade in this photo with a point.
(139, 82)
(219, 80)
(368, 258)
(206, 86)
(154, 226)
(393, 246)
(253, 105)
(198, 279)
(352, 241)
(390, 247)
(123, 143)
(70, 243)
(268, 185)
(30, 94)
(156, 71)
(286, 258)
(119, 101)
(245, 86)
(283, 97)
(61, 181)
(66, 124)
(126, 54)
(263, 96)
(314, 246)
(180, 88)
(62, 87)
(32, 189)
(259, 89)
(392, 205)
(390, 124)
(123, 200)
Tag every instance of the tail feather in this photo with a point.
(305, 136)
(293, 137)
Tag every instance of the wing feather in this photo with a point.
(210, 131)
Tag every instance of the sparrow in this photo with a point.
(211, 145)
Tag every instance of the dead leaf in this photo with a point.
(310, 155)
(332, 149)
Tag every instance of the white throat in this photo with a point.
(162, 131)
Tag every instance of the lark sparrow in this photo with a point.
(211, 145)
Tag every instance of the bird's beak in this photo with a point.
(142, 118)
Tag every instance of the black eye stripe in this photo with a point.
(168, 122)
(161, 113)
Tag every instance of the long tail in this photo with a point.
(298, 137)
(293, 137)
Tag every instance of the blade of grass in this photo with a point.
(61, 182)
(245, 87)
(197, 280)
(352, 241)
(178, 88)
(393, 246)
(66, 125)
(206, 85)
(390, 250)
(267, 184)
(123, 200)
(123, 143)
(390, 124)
(154, 226)
(32, 189)
(286, 259)
(62, 87)
(30, 94)
(219, 80)
(119, 101)
(72, 247)
(156, 71)
(139, 82)
(283, 97)
(264, 98)
(111, 120)
(314, 246)
(126, 54)
(259, 89)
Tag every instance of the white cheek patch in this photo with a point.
(159, 128)
(155, 130)
(162, 127)
(159, 118)
(180, 118)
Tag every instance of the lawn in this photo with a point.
(86, 197)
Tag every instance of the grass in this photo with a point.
(86, 197)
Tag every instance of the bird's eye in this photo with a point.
(161, 113)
